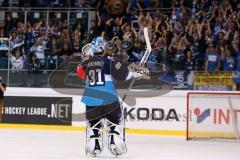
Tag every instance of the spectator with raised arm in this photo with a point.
(66, 44)
(228, 59)
(145, 21)
(128, 34)
(29, 38)
(54, 52)
(113, 27)
(76, 42)
(39, 49)
(16, 40)
(95, 29)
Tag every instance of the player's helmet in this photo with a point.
(98, 44)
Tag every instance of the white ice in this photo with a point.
(69, 145)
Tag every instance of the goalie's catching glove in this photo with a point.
(138, 72)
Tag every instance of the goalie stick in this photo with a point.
(148, 49)
(141, 64)
(146, 53)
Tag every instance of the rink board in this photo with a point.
(160, 115)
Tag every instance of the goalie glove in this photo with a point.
(138, 72)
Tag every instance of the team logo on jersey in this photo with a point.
(201, 116)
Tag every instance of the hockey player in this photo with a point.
(101, 99)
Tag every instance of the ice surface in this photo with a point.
(69, 145)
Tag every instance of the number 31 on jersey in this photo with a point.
(96, 78)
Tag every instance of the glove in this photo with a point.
(80, 72)
(138, 71)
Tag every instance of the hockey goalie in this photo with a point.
(103, 108)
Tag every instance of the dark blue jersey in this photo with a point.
(228, 63)
(213, 59)
(99, 87)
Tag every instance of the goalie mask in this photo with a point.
(98, 44)
(87, 50)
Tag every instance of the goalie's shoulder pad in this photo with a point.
(119, 70)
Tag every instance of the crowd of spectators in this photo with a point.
(44, 3)
(204, 36)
